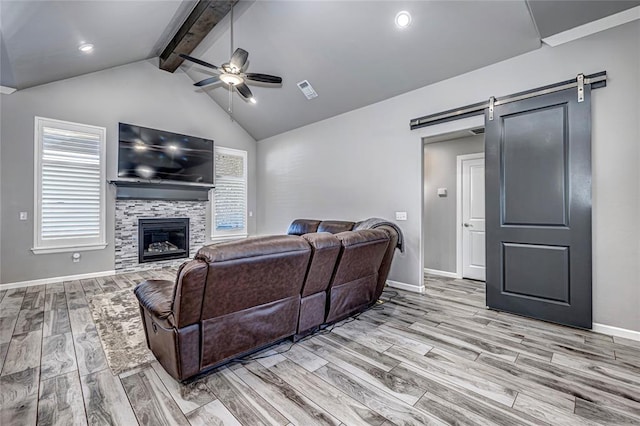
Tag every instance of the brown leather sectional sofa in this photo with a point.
(237, 297)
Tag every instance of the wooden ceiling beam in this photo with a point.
(200, 21)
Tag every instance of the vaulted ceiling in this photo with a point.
(351, 52)
(40, 39)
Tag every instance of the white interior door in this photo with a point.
(473, 231)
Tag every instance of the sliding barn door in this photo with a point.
(538, 207)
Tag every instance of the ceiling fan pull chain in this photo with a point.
(230, 110)
(230, 55)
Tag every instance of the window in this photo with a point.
(230, 194)
(69, 186)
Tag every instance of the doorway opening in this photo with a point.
(453, 204)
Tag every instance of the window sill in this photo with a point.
(223, 238)
(65, 249)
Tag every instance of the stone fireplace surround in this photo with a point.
(126, 229)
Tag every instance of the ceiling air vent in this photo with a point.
(478, 131)
(306, 88)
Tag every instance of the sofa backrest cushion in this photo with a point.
(303, 226)
(385, 266)
(354, 283)
(325, 249)
(361, 255)
(251, 272)
(335, 226)
(188, 292)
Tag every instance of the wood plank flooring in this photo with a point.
(436, 358)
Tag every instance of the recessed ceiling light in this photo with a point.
(86, 47)
(403, 19)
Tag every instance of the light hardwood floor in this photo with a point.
(436, 358)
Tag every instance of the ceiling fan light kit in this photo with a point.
(233, 73)
(231, 79)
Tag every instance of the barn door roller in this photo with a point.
(580, 80)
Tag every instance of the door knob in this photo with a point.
(468, 225)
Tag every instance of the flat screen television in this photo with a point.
(157, 155)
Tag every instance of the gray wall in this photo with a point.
(368, 163)
(440, 163)
(137, 93)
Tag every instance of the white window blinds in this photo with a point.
(70, 185)
(230, 193)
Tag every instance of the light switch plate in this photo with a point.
(24, 215)
(442, 192)
(401, 215)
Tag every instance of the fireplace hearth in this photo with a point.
(162, 239)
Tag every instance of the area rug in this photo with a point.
(119, 325)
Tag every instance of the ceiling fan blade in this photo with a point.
(198, 61)
(206, 81)
(263, 78)
(239, 58)
(244, 90)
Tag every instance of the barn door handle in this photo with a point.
(467, 225)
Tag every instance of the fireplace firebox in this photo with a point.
(162, 239)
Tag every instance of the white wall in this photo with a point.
(368, 163)
(137, 93)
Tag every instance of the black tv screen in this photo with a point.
(151, 154)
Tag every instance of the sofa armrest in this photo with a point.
(156, 296)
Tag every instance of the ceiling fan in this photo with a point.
(233, 73)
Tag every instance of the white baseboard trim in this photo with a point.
(441, 273)
(616, 331)
(405, 286)
(55, 279)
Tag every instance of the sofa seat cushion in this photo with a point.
(156, 296)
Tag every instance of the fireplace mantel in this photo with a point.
(137, 189)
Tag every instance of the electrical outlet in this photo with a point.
(401, 215)
(75, 257)
(24, 216)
